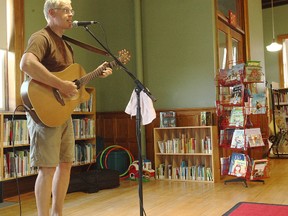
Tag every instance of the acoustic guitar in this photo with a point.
(47, 106)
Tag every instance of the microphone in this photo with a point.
(83, 23)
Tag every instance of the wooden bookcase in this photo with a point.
(193, 155)
(279, 108)
(84, 121)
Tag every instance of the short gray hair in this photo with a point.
(50, 4)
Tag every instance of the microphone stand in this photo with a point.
(138, 88)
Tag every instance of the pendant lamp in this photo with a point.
(274, 46)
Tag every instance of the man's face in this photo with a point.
(62, 16)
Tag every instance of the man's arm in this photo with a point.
(37, 71)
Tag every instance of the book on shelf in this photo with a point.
(167, 119)
(280, 120)
(16, 133)
(238, 165)
(205, 118)
(258, 103)
(254, 137)
(224, 165)
(17, 163)
(160, 171)
(226, 136)
(85, 106)
(237, 117)
(84, 153)
(238, 139)
(259, 169)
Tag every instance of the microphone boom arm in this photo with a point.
(137, 82)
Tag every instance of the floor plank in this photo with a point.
(165, 198)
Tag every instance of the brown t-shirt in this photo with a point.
(51, 50)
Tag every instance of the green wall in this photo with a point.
(172, 44)
(178, 48)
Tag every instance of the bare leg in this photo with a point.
(43, 187)
(60, 186)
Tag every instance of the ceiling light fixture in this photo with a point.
(274, 46)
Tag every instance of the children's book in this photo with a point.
(167, 119)
(237, 117)
(238, 139)
(231, 76)
(253, 74)
(258, 103)
(238, 165)
(224, 165)
(237, 94)
(259, 169)
(254, 137)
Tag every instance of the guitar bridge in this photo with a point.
(58, 97)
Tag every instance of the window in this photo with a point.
(231, 34)
(230, 46)
(283, 61)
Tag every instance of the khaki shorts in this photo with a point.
(50, 145)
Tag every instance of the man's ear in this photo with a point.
(51, 12)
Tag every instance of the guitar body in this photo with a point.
(43, 103)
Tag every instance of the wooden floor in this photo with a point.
(168, 198)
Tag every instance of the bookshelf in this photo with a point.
(187, 154)
(279, 104)
(84, 122)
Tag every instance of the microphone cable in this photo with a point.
(15, 155)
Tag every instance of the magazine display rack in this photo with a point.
(187, 154)
(239, 99)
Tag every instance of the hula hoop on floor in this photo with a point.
(112, 148)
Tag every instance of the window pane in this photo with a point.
(235, 7)
(223, 55)
(235, 51)
(225, 5)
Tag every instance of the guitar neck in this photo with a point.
(90, 76)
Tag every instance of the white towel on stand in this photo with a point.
(148, 113)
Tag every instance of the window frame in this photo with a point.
(280, 39)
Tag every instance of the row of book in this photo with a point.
(241, 138)
(84, 128)
(282, 97)
(185, 172)
(86, 106)
(16, 132)
(84, 153)
(17, 164)
(240, 165)
(185, 145)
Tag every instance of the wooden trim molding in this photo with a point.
(280, 39)
(18, 6)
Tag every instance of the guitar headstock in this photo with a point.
(124, 56)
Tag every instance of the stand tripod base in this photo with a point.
(243, 180)
(237, 180)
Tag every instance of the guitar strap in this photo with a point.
(85, 46)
